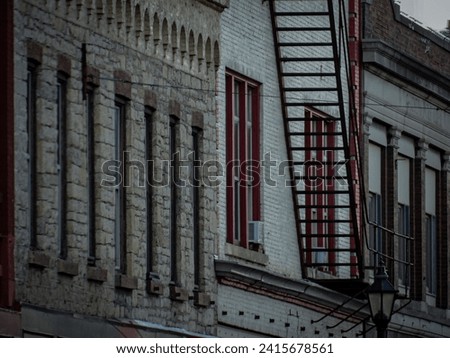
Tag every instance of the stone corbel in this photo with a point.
(421, 150)
(394, 137)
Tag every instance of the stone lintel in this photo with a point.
(38, 259)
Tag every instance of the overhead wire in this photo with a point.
(216, 92)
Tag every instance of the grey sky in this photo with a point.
(432, 13)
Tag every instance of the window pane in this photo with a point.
(31, 130)
(61, 91)
(250, 93)
(375, 232)
(237, 211)
(431, 254)
(403, 228)
(236, 98)
(149, 189)
(173, 202)
(236, 156)
(196, 205)
(118, 199)
(91, 173)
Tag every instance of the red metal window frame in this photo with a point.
(249, 167)
(7, 238)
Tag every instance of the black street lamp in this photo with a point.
(381, 295)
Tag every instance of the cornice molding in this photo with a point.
(379, 55)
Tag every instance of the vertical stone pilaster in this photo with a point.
(419, 230)
(391, 198)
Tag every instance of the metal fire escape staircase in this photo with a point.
(309, 54)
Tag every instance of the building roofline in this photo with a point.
(303, 290)
(416, 26)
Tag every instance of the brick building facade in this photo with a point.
(262, 288)
(406, 100)
(261, 283)
(110, 229)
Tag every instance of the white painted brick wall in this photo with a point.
(247, 48)
(252, 314)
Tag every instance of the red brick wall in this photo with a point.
(7, 155)
(405, 36)
(355, 19)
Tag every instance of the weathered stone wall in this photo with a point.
(169, 50)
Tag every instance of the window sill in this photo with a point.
(67, 268)
(246, 254)
(430, 299)
(126, 282)
(154, 285)
(96, 274)
(178, 294)
(201, 299)
(38, 259)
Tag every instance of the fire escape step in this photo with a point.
(283, 28)
(307, 59)
(301, 13)
(312, 104)
(341, 221)
(308, 74)
(315, 134)
(337, 192)
(303, 119)
(310, 89)
(315, 177)
(321, 162)
(300, 149)
(304, 44)
(331, 264)
(326, 236)
(323, 206)
(328, 249)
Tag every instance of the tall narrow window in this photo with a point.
(196, 204)
(90, 97)
(243, 154)
(120, 200)
(173, 200)
(375, 202)
(31, 129)
(404, 222)
(431, 231)
(149, 187)
(61, 162)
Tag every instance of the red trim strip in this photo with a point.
(229, 156)
(7, 148)
(256, 155)
(242, 159)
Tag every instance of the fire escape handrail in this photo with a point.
(345, 137)
(338, 307)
